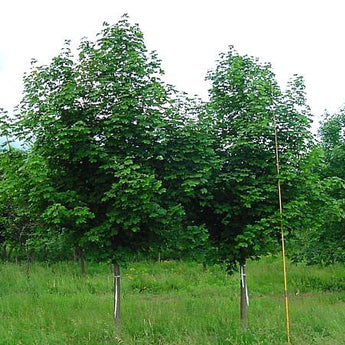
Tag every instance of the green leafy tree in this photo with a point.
(93, 122)
(15, 223)
(332, 133)
(186, 165)
(324, 243)
(247, 105)
(100, 131)
(25, 190)
(319, 239)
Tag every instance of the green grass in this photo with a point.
(169, 303)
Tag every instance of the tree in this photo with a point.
(332, 132)
(324, 243)
(14, 223)
(186, 165)
(247, 105)
(97, 126)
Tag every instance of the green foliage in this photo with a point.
(246, 105)
(186, 165)
(325, 242)
(25, 189)
(16, 226)
(112, 164)
(121, 164)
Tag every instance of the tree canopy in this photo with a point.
(102, 133)
(247, 106)
(118, 162)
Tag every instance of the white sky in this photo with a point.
(296, 36)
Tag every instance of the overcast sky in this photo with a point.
(296, 36)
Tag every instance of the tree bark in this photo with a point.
(204, 266)
(244, 296)
(82, 263)
(4, 253)
(30, 254)
(9, 253)
(80, 255)
(116, 270)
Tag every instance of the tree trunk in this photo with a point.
(204, 266)
(82, 263)
(116, 270)
(80, 255)
(244, 296)
(9, 253)
(4, 253)
(29, 258)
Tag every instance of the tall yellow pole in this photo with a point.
(287, 317)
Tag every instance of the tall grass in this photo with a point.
(169, 303)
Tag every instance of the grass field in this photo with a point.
(169, 303)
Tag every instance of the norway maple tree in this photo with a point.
(247, 107)
(100, 129)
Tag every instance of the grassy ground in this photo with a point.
(169, 303)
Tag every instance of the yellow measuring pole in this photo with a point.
(287, 317)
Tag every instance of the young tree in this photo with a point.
(247, 105)
(98, 129)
